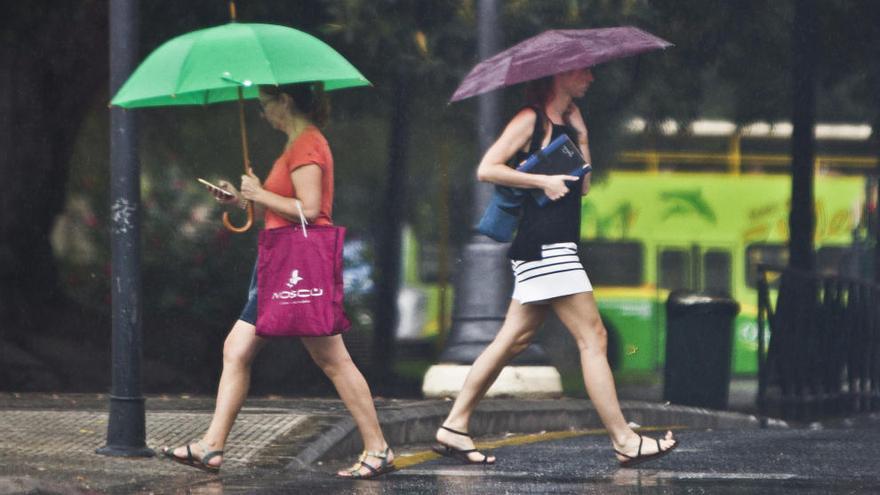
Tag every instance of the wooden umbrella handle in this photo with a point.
(247, 167)
(250, 220)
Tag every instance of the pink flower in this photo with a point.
(90, 220)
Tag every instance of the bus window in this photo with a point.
(613, 263)
(716, 271)
(770, 254)
(675, 269)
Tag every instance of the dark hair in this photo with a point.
(309, 98)
(539, 91)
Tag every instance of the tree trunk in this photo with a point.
(802, 218)
(52, 64)
(390, 222)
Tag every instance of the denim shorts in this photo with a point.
(249, 313)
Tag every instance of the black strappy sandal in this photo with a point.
(385, 467)
(460, 454)
(192, 461)
(640, 458)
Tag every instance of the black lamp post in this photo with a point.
(126, 430)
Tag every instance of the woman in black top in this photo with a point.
(548, 273)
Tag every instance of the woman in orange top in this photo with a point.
(304, 173)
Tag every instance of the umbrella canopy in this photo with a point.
(210, 65)
(555, 51)
(229, 62)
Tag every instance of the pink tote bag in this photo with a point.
(299, 282)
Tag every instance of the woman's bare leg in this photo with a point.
(330, 354)
(580, 315)
(241, 347)
(514, 337)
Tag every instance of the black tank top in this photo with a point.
(559, 221)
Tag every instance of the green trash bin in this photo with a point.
(699, 341)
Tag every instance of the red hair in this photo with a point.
(539, 91)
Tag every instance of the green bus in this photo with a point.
(644, 234)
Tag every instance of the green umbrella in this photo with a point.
(227, 63)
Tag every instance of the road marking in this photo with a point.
(462, 472)
(678, 475)
(415, 458)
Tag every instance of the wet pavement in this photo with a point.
(803, 461)
(294, 445)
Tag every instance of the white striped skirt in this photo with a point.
(558, 273)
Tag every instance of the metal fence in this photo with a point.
(823, 357)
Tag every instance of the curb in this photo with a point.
(416, 424)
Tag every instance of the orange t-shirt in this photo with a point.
(310, 147)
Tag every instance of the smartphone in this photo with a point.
(217, 190)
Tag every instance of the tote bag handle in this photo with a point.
(302, 218)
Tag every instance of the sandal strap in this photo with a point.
(660, 449)
(382, 456)
(377, 454)
(625, 455)
(638, 452)
(210, 455)
(207, 455)
(189, 454)
(456, 432)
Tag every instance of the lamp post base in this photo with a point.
(123, 451)
(126, 428)
(522, 382)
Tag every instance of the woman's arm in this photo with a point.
(493, 169)
(307, 183)
(583, 144)
(576, 120)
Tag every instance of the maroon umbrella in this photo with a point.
(555, 51)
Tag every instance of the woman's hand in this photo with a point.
(251, 188)
(226, 200)
(555, 186)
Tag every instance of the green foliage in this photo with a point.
(191, 265)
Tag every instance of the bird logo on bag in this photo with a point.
(301, 295)
(294, 279)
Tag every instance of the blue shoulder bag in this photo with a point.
(502, 213)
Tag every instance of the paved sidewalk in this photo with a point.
(47, 442)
